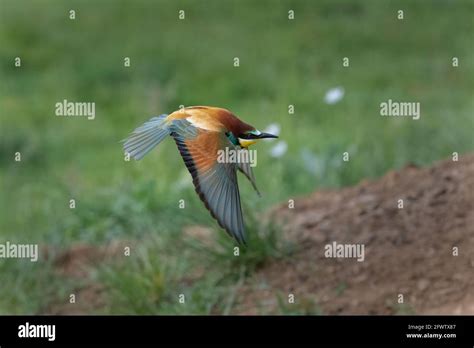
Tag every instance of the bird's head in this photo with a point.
(250, 137)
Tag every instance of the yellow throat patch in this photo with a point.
(246, 142)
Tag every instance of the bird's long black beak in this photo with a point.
(264, 135)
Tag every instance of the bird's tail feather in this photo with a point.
(146, 137)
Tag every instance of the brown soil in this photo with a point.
(79, 259)
(77, 263)
(408, 251)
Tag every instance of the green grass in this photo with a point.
(190, 62)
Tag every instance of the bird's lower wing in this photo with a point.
(215, 180)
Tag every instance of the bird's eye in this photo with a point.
(253, 134)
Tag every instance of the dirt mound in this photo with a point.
(80, 258)
(423, 251)
(77, 262)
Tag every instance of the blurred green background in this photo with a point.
(190, 62)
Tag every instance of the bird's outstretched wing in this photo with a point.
(146, 137)
(215, 181)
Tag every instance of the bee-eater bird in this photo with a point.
(201, 132)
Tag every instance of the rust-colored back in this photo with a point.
(213, 118)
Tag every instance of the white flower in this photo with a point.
(183, 181)
(311, 162)
(272, 128)
(279, 149)
(334, 95)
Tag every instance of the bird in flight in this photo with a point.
(201, 133)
